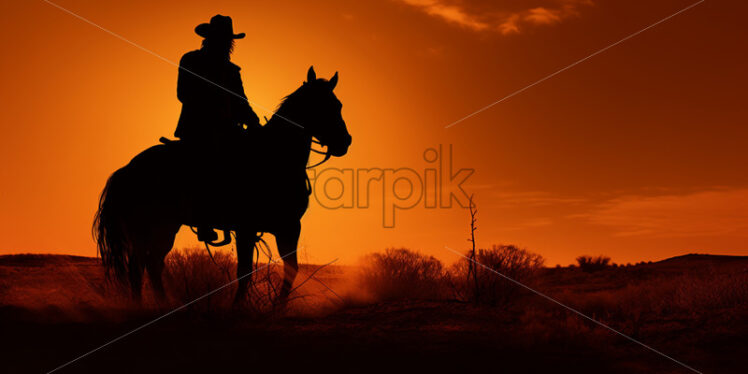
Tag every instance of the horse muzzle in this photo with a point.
(340, 148)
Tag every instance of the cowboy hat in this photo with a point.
(219, 27)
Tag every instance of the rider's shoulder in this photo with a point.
(234, 66)
(192, 56)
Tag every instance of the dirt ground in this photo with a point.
(54, 309)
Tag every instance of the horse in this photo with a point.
(265, 190)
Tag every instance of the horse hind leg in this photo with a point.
(155, 269)
(135, 277)
(158, 249)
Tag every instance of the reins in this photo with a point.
(314, 141)
(326, 153)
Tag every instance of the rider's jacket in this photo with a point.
(213, 100)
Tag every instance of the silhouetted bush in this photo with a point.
(590, 264)
(510, 261)
(402, 274)
(190, 273)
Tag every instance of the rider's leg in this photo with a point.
(201, 198)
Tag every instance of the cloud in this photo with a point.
(534, 199)
(510, 25)
(543, 16)
(506, 18)
(706, 213)
(449, 13)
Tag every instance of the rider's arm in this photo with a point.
(246, 114)
(187, 88)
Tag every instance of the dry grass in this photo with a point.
(400, 274)
(190, 274)
(644, 300)
(697, 298)
(518, 264)
(694, 308)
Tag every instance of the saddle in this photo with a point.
(207, 199)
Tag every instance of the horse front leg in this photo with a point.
(287, 241)
(245, 243)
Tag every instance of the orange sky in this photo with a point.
(638, 153)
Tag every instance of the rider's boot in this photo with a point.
(205, 232)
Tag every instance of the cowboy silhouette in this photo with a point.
(215, 111)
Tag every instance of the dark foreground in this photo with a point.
(531, 335)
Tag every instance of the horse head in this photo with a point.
(324, 119)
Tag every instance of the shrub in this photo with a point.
(510, 261)
(590, 264)
(190, 273)
(402, 274)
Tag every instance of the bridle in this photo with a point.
(325, 153)
(314, 141)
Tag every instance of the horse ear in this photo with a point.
(311, 76)
(334, 81)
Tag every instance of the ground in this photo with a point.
(54, 309)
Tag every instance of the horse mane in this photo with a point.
(292, 100)
(289, 98)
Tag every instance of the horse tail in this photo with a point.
(109, 228)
